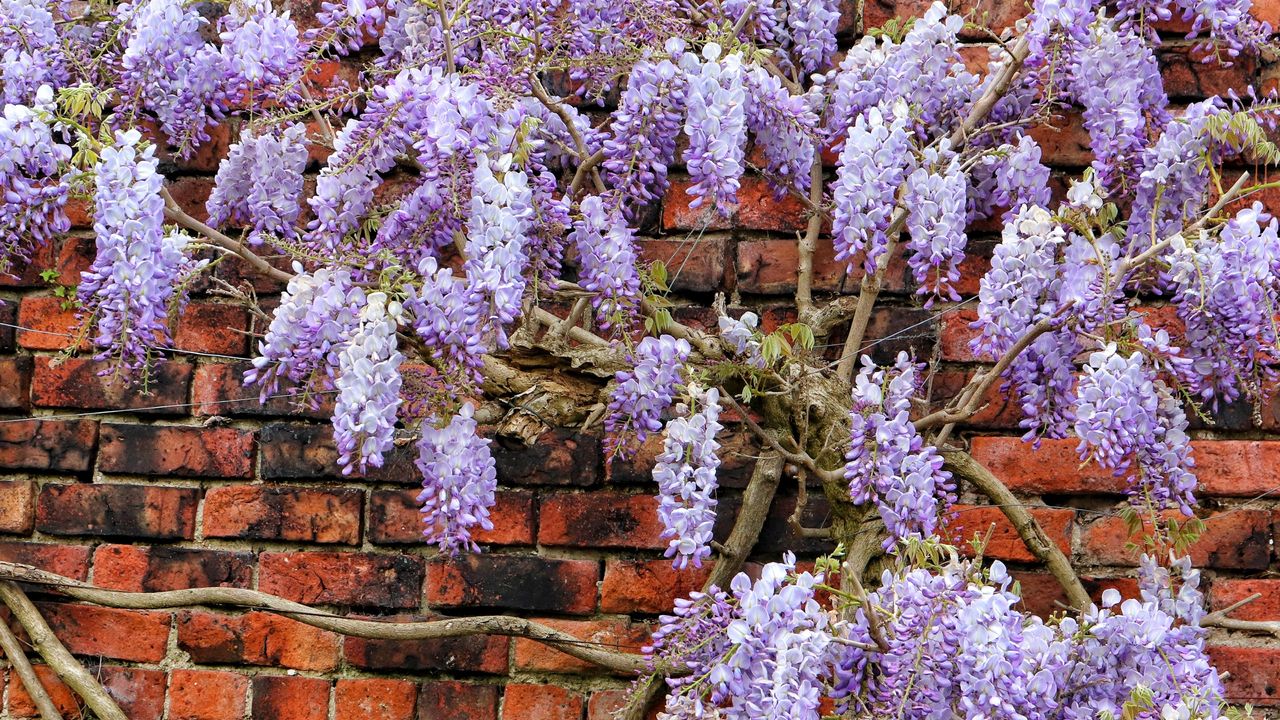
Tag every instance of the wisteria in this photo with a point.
(643, 393)
(368, 384)
(446, 214)
(887, 461)
(260, 184)
(34, 194)
(135, 281)
(458, 481)
(686, 475)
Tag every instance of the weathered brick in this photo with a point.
(999, 410)
(955, 335)
(1186, 75)
(474, 653)
(109, 510)
(78, 383)
(180, 451)
(286, 697)
(1228, 591)
(559, 457)
(284, 513)
(454, 700)
(600, 519)
(22, 706)
(48, 445)
(1053, 468)
(192, 193)
(296, 451)
(17, 506)
(207, 695)
(757, 209)
(160, 568)
(356, 579)
(218, 389)
(1253, 673)
(1235, 540)
(136, 635)
(213, 328)
(68, 257)
(516, 582)
(540, 702)
(394, 518)
(991, 14)
(1236, 468)
(256, 638)
(47, 325)
(66, 560)
(138, 691)
(374, 699)
(1064, 141)
(647, 586)
(616, 635)
(965, 522)
(15, 383)
(8, 316)
(694, 264)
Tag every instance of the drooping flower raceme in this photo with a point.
(686, 475)
(785, 128)
(138, 270)
(644, 392)
(716, 124)
(317, 315)
(1129, 421)
(368, 383)
(261, 48)
(813, 32)
(641, 143)
(448, 315)
(497, 230)
(607, 252)
(260, 184)
(458, 481)
(936, 221)
(874, 162)
(888, 461)
(32, 193)
(30, 51)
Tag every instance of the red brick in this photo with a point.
(472, 653)
(394, 518)
(306, 451)
(956, 335)
(1236, 468)
(156, 569)
(694, 264)
(179, 451)
(1041, 593)
(207, 695)
(213, 328)
(1054, 468)
(192, 193)
(48, 325)
(540, 702)
(70, 561)
(15, 383)
(357, 579)
(454, 700)
(17, 506)
(769, 265)
(616, 635)
(256, 638)
(999, 409)
(218, 389)
(647, 586)
(1063, 141)
(374, 699)
(78, 383)
(514, 582)
(600, 519)
(557, 457)
(284, 513)
(1187, 76)
(48, 445)
(1234, 540)
(139, 692)
(758, 209)
(968, 521)
(69, 257)
(1254, 673)
(21, 705)
(135, 511)
(1228, 591)
(137, 635)
(290, 698)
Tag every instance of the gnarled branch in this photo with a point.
(27, 674)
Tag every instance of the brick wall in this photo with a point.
(190, 486)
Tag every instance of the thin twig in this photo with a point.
(30, 681)
(174, 212)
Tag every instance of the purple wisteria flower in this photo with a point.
(716, 123)
(259, 184)
(368, 382)
(607, 253)
(686, 475)
(643, 393)
(459, 477)
(32, 192)
(874, 162)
